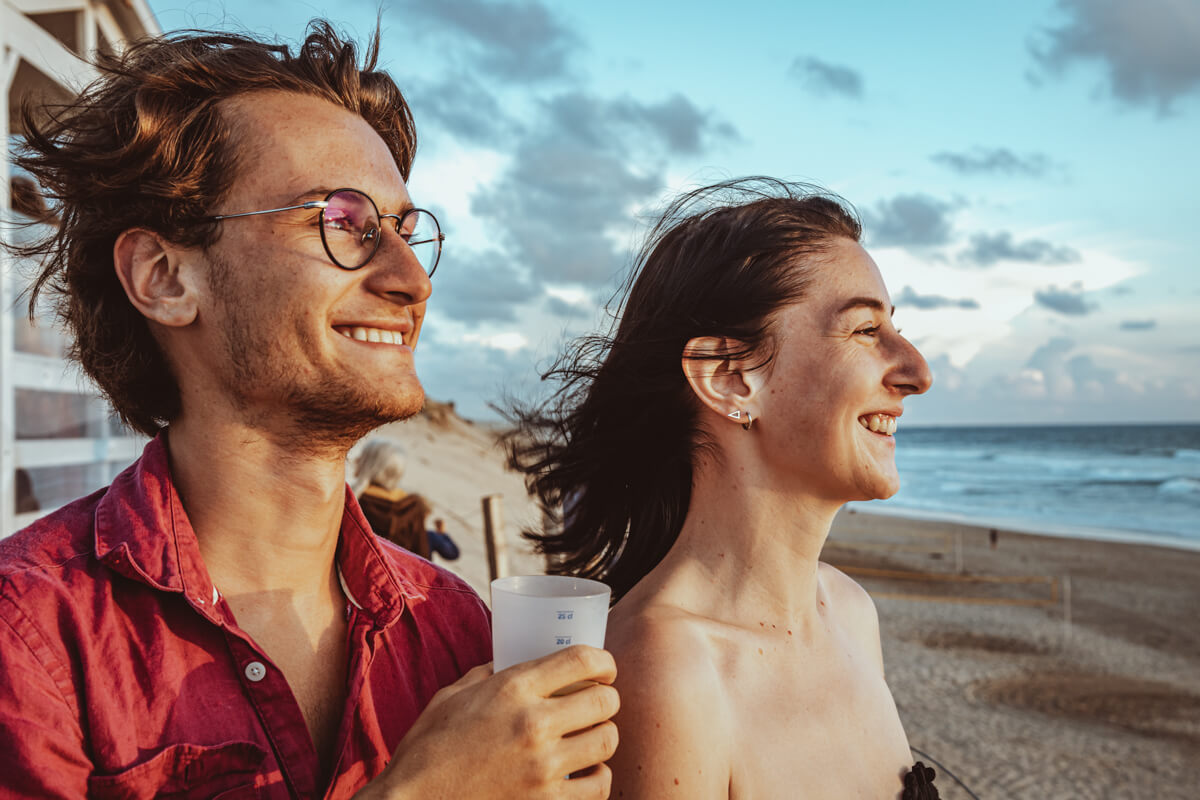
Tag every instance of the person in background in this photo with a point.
(440, 541)
(701, 451)
(26, 500)
(394, 514)
(245, 276)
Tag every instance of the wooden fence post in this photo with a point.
(493, 534)
(1066, 585)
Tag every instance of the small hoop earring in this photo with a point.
(749, 421)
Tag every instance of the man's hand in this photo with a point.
(508, 736)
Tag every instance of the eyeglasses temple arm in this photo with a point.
(310, 204)
(441, 237)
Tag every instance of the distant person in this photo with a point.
(701, 451)
(244, 275)
(393, 513)
(440, 541)
(27, 501)
(25, 199)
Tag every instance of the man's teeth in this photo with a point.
(372, 335)
(879, 423)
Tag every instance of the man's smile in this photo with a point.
(378, 335)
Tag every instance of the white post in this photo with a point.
(85, 33)
(8, 399)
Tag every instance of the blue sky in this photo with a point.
(1026, 173)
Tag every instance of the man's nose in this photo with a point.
(397, 272)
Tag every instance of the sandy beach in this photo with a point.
(1041, 668)
(1018, 696)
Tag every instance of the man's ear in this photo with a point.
(156, 276)
(722, 384)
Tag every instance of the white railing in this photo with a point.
(103, 448)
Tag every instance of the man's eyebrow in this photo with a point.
(868, 302)
(319, 193)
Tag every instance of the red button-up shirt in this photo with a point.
(124, 674)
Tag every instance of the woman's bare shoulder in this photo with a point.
(662, 651)
(674, 724)
(655, 625)
(854, 607)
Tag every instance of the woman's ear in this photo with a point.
(724, 385)
(157, 277)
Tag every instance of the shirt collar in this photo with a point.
(369, 577)
(143, 532)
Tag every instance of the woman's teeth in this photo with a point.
(372, 335)
(879, 423)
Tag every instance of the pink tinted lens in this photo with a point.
(351, 227)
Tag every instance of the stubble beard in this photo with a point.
(317, 418)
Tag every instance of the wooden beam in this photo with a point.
(85, 33)
(8, 71)
(111, 29)
(493, 534)
(45, 374)
(46, 6)
(37, 453)
(43, 52)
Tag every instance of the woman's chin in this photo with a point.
(883, 487)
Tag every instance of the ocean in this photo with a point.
(1132, 482)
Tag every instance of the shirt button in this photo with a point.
(255, 671)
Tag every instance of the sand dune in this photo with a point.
(454, 463)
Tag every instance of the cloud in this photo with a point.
(908, 297)
(1049, 355)
(826, 78)
(987, 249)
(463, 107)
(909, 220)
(1148, 48)
(995, 161)
(1043, 372)
(557, 203)
(474, 287)
(677, 121)
(598, 123)
(564, 205)
(472, 373)
(1090, 377)
(1139, 325)
(518, 41)
(561, 308)
(1067, 301)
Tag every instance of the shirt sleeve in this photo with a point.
(41, 740)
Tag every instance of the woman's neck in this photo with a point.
(748, 548)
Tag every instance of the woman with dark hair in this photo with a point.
(751, 388)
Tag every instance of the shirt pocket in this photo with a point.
(186, 771)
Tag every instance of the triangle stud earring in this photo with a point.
(735, 415)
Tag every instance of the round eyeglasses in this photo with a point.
(352, 228)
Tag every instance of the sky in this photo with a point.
(1026, 173)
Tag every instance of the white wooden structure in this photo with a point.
(58, 440)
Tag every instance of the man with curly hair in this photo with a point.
(245, 277)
